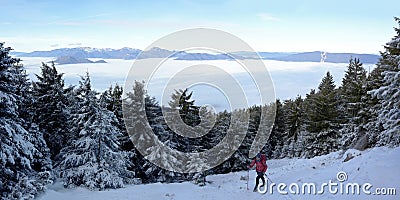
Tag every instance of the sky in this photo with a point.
(276, 26)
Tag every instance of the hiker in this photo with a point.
(261, 167)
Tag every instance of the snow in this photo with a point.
(378, 166)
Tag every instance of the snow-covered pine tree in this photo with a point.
(352, 89)
(277, 138)
(42, 161)
(142, 117)
(208, 118)
(305, 135)
(24, 163)
(227, 125)
(240, 160)
(111, 99)
(182, 103)
(94, 158)
(51, 105)
(322, 119)
(22, 88)
(352, 95)
(155, 118)
(294, 115)
(217, 133)
(389, 92)
(370, 112)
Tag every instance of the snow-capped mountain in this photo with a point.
(156, 52)
(87, 52)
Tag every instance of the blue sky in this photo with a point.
(312, 25)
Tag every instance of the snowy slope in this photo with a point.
(378, 166)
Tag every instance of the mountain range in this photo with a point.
(330, 57)
(156, 52)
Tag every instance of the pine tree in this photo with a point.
(278, 131)
(353, 89)
(369, 114)
(184, 123)
(182, 103)
(389, 93)
(141, 133)
(208, 119)
(94, 158)
(26, 113)
(216, 135)
(294, 115)
(23, 162)
(187, 110)
(51, 108)
(322, 119)
(111, 99)
(352, 95)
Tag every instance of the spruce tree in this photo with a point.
(51, 106)
(141, 132)
(219, 131)
(111, 99)
(352, 95)
(94, 158)
(322, 119)
(353, 89)
(188, 112)
(182, 103)
(24, 162)
(369, 114)
(278, 131)
(389, 93)
(294, 122)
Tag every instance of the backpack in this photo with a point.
(263, 160)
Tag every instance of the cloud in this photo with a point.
(267, 17)
(40, 43)
(80, 21)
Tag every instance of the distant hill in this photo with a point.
(315, 56)
(156, 52)
(206, 56)
(106, 53)
(263, 55)
(87, 52)
(63, 60)
(16, 53)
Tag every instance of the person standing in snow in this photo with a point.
(261, 167)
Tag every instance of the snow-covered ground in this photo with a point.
(378, 167)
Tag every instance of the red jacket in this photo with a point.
(261, 166)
